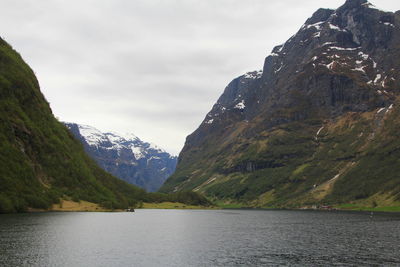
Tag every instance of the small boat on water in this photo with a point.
(130, 210)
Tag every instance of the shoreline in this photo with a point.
(217, 208)
(85, 206)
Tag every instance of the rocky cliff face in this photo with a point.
(311, 126)
(127, 157)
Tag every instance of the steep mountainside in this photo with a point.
(126, 157)
(319, 124)
(40, 160)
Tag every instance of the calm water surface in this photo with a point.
(200, 238)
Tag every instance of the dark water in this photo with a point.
(200, 238)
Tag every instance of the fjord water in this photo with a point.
(199, 238)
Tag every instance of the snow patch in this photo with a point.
(114, 138)
(328, 43)
(137, 152)
(209, 121)
(279, 69)
(388, 24)
(343, 48)
(129, 137)
(320, 129)
(334, 27)
(383, 83)
(389, 108)
(378, 77)
(317, 34)
(240, 105)
(330, 65)
(92, 136)
(315, 25)
(363, 56)
(361, 69)
(253, 74)
(380, 110)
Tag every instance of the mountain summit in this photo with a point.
(319, 123)
(126, 156)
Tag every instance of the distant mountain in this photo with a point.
(40, 161)
(126, 156)
(319, 124)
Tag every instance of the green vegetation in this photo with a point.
(188, 197)
(226, 205)
(41, 162)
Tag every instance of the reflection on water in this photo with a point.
(199, 238)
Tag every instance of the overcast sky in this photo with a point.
(150, 67)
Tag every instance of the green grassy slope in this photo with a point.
(40, 161)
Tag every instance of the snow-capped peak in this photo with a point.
(114, 137)
(116, 141)
(130, 137)
(92, 136)
(126, 156)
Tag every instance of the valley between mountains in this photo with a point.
(319, 125)
(42, 165)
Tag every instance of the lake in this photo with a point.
(200, 238)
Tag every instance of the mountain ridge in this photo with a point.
(126, 156)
